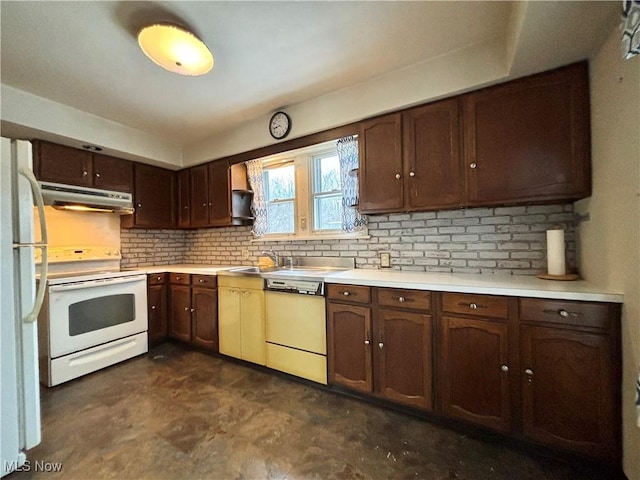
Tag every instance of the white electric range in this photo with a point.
(94, 314)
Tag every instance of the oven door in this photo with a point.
(90, 313)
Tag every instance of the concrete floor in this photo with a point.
(181, 414)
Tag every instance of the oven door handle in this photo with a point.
(97, 283)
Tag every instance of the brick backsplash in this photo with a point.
(476, 240)
(142, 248)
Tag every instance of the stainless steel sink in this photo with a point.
(250, 271)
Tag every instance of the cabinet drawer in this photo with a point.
(180, 278)
(157, 278)
(414, 299)
(204, 280)
(477, 305)
(565, 312)
(349, 293)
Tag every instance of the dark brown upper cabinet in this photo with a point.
(522, 142)
(431, 153)
(184, 200)
(62, 164)
(154, 198)
(380, 171)
(218, 195)
(528, 141)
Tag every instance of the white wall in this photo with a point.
(609, 243)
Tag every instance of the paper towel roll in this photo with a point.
(555, 252)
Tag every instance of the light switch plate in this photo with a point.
(385, 260)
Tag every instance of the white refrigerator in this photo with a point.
(19, 305)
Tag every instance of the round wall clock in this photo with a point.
(279, 125)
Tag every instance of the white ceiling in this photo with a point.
(268, 55)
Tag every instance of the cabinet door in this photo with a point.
(199, 193)
(154, 197)
(219, 193)
(528, 140)
(184, 200)
(403, 347)
(180, 324)
(252, 325)
(110, 173)
(349, 349)
(381, 182)
(569, 390)
(204, 321)
(157, 301)
(473, 385)
(229, 321)
(432, 162)
(60, 164)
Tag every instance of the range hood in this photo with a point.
(85, 199)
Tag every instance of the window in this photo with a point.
(327, 193)
(280, 193)
(301, 194)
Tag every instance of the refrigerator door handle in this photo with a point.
(42, 285)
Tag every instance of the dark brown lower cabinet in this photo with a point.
(474, 378)
(543, 370)
(382, 351)
(157, 307)
(404, 356)
(180, 319)
(194, 310)
(204, 302)
(568, 390)
(350, 362)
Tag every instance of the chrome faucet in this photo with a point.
(272, 255)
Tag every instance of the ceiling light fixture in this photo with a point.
(175, 49)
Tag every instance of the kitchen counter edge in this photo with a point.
(483, 284)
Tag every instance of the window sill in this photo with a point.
(295, 238)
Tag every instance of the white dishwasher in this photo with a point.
(296, 328)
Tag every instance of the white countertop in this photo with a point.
(489, 284)
(496, 284)
(195, 268)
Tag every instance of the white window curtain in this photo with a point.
(259, 204)
(352, 221)
(630, 28)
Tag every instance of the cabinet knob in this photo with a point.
(412, 174)
(85, 173)
(529, 374)
(367, 342)
(346, 294)
(504, 368)
(398, 176)
(139, 205)
(186, 309)
(159, 278)
(97, 175)
(473, 306)
(402, 299)
(153, 307)
(201, 280)
(186, 207)
(563, 313)
(473, 165)
(204, 204)
(178, 278)
(192, 310)
(210, 204)
(381, 345)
